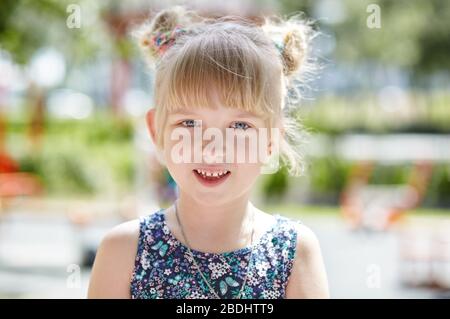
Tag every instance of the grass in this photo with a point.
(333, 211)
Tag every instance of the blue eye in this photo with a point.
(240, 125)
(190, 123)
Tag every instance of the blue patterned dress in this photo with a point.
(164, 269)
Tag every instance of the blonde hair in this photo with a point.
(253, 66)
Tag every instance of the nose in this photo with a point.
(213, 151)
(213, 145)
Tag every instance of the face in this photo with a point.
(209, 154)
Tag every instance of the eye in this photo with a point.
(190, 123)
(240, 125)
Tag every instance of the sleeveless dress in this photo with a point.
(163, 267)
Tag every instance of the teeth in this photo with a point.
(211, 174)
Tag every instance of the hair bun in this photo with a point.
(292, 38)
(294, 51)
(167, 20)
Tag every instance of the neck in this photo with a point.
(216, 223)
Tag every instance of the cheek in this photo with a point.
(247, 173)
(251, 154)
(179, 146)
(181, 173)
(171, 145)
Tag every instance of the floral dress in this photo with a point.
(164, 269)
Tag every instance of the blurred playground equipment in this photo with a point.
(424, 250)
(377, 207)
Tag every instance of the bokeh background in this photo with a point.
(76, 159)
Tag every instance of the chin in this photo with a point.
(210, 198)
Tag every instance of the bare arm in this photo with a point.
(308, 278)
(114, 262)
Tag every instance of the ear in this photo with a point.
(150, 119)
(282, 134)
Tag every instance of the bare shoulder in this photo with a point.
(114, 262)
(123, 235)
(307, 241)
(308, 278)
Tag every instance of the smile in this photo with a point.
(211, 178)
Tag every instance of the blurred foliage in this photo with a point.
(275, 186)
(328, 175)
(414, 33)
(439, 188)
(61, 172)
(92, 156)
(27, 25)
(416, 112)
(22, 30)
(390, 174)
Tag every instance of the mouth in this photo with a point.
(211, 178)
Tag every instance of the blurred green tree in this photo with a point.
(414, 34)
(26, 26)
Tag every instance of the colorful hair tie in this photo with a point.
(163, 40)
(279, 46)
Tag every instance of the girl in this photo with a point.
(223, 74)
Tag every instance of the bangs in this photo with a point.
(213, 70)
